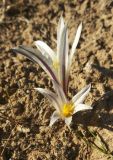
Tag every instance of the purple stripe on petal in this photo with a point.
(30, 53)
(64, 58)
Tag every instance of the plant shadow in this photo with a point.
(100, 116)
(105, 71)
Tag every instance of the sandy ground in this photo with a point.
(24, 113)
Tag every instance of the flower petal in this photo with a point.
(37, 57)
(45, 50)
(75, 43)
(59, 32)
(81, 95)
(63, 58)
(81, 107)
(62, 53)
(54, 118)
(51, 96)
(73, 49)
(68, 121)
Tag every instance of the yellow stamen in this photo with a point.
(56, 64)
(68, 109)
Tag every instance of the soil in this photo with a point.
(24, 113)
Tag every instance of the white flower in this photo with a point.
(65, 108)
(56, 65)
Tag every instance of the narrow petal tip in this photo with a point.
(80, 25)
(35, 88)
(89, 86)
(14, 49)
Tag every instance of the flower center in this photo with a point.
(68, 109)
(56, 64)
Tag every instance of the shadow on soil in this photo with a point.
(100, 116)
(105, 71)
